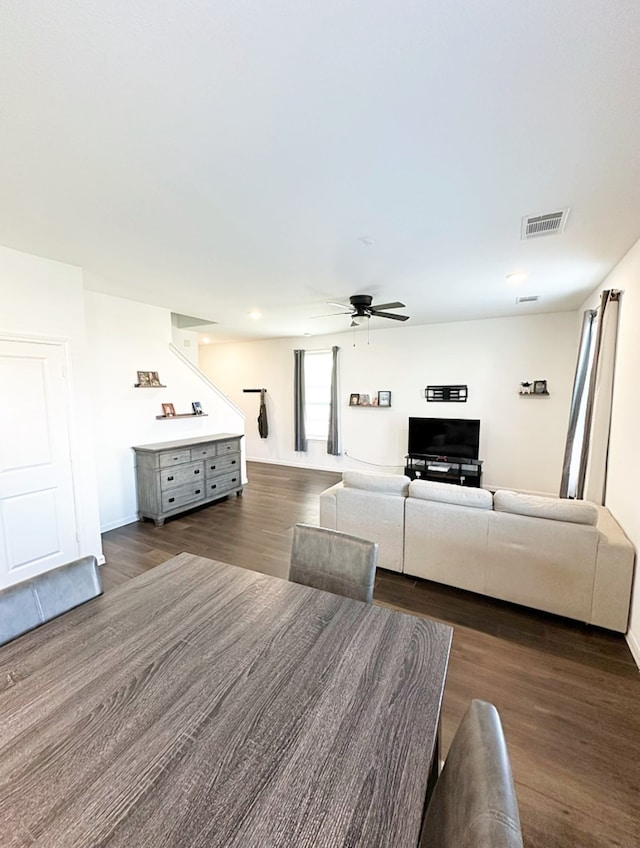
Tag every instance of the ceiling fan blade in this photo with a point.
(335, 303)
(332, 314)
(376, 314)
(379, 306)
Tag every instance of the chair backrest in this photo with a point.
(333, 561)
(32, 602)
(474, 802)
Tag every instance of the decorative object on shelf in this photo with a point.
(533, 388)
(197, 408)
(148, 380)
(446, 394)
(382, 398)
(168, 410)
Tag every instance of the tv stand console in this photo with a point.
(444, 469)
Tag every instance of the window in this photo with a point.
(317, 386)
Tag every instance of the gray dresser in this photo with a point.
(172, 477)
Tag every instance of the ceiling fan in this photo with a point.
(361, 307)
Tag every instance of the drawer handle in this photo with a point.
(197, 491)
(196, 471)
(171, 500)
(212, 468)
(176, 458)
(170, 478)
(234, 479)
(233, 462)
(214, 485)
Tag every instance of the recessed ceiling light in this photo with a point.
(517, 277)
(255, 314)
(367, 241)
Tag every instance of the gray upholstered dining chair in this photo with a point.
(474, 802)
(32, 602)
(333, 561)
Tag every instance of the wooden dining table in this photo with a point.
(201, 704)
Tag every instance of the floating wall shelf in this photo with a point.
(182, 415)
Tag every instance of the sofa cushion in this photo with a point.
(451, 494)
(390, 484)
(536, 506)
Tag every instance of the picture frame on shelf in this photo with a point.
(197, 407)
(168, 410)
(365, 400)
(540, 387)
(354, 399)
(154, 379)
(144, 378)
(384, 398)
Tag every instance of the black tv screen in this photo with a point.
(446, 437)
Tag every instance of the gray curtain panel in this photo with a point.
(573, 447)
(601, 395)
(333, 439)
(587, 446)
(300, 431)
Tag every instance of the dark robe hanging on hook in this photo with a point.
(263, 423)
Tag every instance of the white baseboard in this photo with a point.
(112, 525)
(634, 647)
(295, 465)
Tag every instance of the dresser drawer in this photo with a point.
(173, 478)
(221, 464)
(222, 484)
(203, 451)
(183, 497)
(176, 458)
(228, 447)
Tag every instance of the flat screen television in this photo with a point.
(447, 437)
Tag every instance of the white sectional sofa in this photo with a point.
(566, 557)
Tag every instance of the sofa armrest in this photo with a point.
(614, 574)
(328, 507)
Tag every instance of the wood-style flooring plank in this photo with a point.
(568, 694)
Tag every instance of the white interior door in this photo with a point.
(37, 510)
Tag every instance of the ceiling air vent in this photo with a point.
(531, 298)
(534, 226)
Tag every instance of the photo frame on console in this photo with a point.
(354, 399)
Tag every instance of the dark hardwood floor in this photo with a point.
(568, 695)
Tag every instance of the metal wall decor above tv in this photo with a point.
(446, 394)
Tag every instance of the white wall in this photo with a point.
(43, 299)
(187, 342)
(522, 439)
(127, 337)
(624, 451)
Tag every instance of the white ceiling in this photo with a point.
(220, 156)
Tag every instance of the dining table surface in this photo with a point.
(201, 704)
